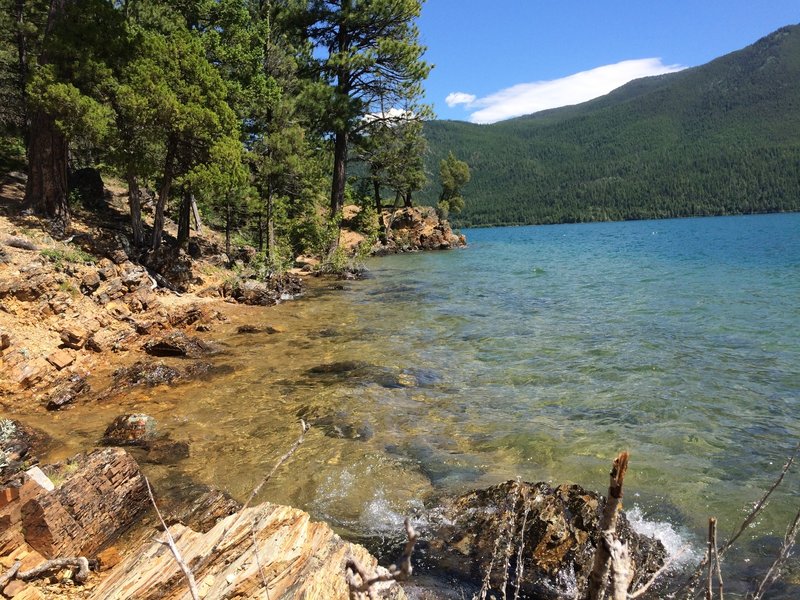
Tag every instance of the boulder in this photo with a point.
(416, 228)
(74, 336)
(90, 282)
(177, 344)
(60, 359)
(102, 494)
(68, 392)
(554, 531)
(280, 545)
(264, 293)
(198, 506)
(130, 430)
(19, 444)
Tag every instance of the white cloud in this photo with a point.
(457, 98)
(527, 98)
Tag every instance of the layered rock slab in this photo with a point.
(272, 544)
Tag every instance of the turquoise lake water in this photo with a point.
(537, 352)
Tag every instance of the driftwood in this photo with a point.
(170, 541)
(598, 579)
(364, 585)
(58, 563)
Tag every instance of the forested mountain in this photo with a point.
(722, 138)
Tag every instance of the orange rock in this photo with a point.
(30, 593)
(109, 558)
(14, 589)
(60, 359)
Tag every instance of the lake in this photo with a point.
(537, 352)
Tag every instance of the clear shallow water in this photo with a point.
(537, 352)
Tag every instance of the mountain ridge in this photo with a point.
(720, 138)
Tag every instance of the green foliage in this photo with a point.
(366, 222)
(454, 175)
(723, 138)
(60, 257)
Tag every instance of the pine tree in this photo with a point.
(371, 59)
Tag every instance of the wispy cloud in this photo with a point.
(527, 98)
(457, 98)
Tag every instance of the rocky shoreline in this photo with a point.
(87, 318)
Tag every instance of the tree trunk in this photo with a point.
(163, 194)
(376, 186)
(407, 199)
(270, 227)
(339, 172)
(228, 218)
(198, 226)
(22, 57)
(183, 217)
(46, 189)
(135, 204)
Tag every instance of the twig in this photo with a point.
(171, 543)
(691, 582)
(608, 523)
(712, 526)
(667, 565)
(258, 561)
(783, 554)
(761, 503)
(717, 561)
(520, 562)
(10, 574)
(401, 570)
(304, 427)
(58, 563)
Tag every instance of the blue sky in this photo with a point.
(496, 59)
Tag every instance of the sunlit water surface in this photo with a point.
(537, 352)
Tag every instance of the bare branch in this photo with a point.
(621, 573)
(58, 563)
(666, 566)
(10, 574)
(396, 572)
(783, 554)
(608, 524)
(171, 543)
(304, 428)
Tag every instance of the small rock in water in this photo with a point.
(130, 430)
(178, 344)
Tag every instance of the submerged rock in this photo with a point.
(165, 452)
(19, 445)
(143, 373)
(68, 392)
(553, 531)
(178, 344)
(130, 430)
